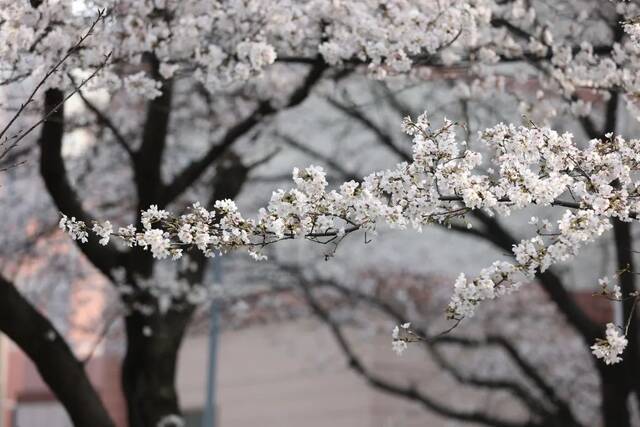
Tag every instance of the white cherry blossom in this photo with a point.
(610, 349)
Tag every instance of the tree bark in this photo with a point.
(629, 375)
(63, 194)
(615, 396)
(56, 363)
(149, 367)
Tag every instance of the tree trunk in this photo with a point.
(617, 381)
(149, 367)
(615, 397)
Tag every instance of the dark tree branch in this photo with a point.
(54, 174)
(600, 49)
(106, 121)
(563, 410)
(47, 349)
(611, 114)
(589, 127)
(530, 371)
(400, 107)
(626, 268)
(408, 392)
(383, 137)
(195, 170)
(526, 368)
(516, 390)
(148, 158)
(147, 166)
(292, 142)
(231, 174)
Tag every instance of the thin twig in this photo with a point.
(102, 117)
(57, 106)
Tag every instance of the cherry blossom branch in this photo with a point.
(440, 184)
(495, 233)
(18, 137)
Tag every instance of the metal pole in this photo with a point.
(209, 417)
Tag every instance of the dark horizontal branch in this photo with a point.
(601, 49)
(309, 60)
(557, 202)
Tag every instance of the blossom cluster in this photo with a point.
(531, 255)
(633, 29)
(399, 336)
(222, 44)
(610, 349)
(226, 44)
(76, 229)
(614, 292)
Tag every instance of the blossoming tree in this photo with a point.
(219, 73)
